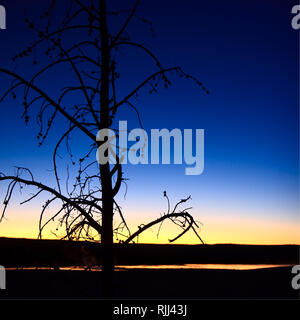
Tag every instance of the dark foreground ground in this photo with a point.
(274, 283)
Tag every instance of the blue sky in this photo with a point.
(247, 55)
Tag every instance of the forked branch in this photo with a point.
(181, 218)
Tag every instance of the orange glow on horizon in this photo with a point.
(215, 230)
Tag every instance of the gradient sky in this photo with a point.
(247, 55)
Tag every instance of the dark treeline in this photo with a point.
(52, 253)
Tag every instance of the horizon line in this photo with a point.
(171, 244)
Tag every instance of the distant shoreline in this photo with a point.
(28, 252)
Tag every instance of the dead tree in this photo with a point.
(87, 204)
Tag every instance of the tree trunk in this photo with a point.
(106, 183)
(107, 235)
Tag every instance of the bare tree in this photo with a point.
(87, 204)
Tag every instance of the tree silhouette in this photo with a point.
(87, 204)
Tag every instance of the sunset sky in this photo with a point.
(247, 55)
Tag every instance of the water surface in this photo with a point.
(166, 267)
